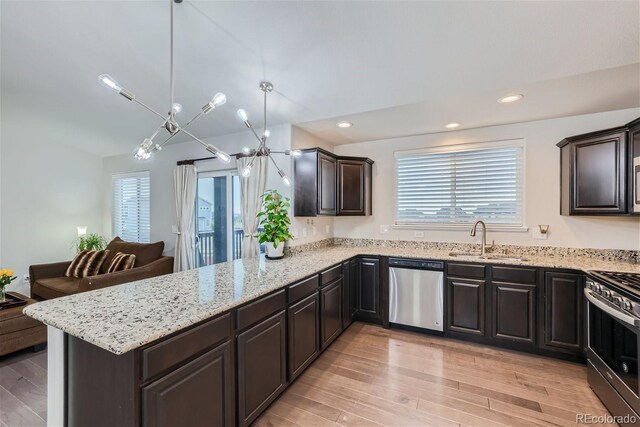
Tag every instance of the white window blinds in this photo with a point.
(131, 206)
(460, 185)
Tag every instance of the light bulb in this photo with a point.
(295, 153)
(224, 157)
(246, 150)
(243, 115)
(267, 133)
(107, 81)
(284, 177)
(219, 99)
(176, 108)
(143, 152)
(246, 171)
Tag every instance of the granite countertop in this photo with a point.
(124, 317)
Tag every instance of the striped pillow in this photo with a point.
(86, 263)
(121, 262)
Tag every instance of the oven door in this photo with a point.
(613, 339)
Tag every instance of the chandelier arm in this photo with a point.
(166, 141)
(256, 135)
(162, 116)
(275, 164)
(196, 117)
(201, 141)
(265, 111)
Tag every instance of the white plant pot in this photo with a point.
(277, 252)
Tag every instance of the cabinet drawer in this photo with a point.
(301, 289)
(466, 270)
(330, 275)
(525, 276)
(171, 352)
(260, 309)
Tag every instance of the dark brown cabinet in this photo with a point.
(354, 186)
(304, 331)
(326, 184)
(368, 308)
(330, 312)
(466, 305)
(514, 312)
(262, 373)
(634, 167)
(207, 383)
(346, 295)
(354, 288)
(594, 170)
(563, 323)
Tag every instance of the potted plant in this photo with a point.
(275, 223)
(92, 242)
(6, 277)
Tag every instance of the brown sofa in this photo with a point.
(48, 280)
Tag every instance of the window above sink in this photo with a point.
(453, 186)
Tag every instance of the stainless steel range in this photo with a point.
(613, 340)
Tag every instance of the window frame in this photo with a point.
(140, 174)
(454, 148)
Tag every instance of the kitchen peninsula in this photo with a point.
(228, 338)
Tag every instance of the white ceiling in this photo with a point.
(392, 68)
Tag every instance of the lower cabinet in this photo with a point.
(514, 312)
(354, 288)
(346, 296)
(207, 383)
(369, 286)
(304, 334)
(330, 312)
(563, 323)
(262, 361)
(466, 306)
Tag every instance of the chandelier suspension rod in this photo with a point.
(171, 112)
(265, 111)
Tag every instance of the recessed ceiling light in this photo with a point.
(344, 125)
(510, 98)
(452, 125)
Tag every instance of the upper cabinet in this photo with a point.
(634, 166)
(326, 184)
(595, 169)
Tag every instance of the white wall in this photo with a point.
(541, 186)
(47, 188)
(309, 230)
(162, 164)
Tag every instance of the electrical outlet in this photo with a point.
(327, 229)
(539, 235)
(418, 234)
(314, 230)
(384, 229)
(25, 278)
(304, 231)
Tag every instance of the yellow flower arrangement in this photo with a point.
(6, 277)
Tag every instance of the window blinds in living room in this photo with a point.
(461, 184)
(131, 207)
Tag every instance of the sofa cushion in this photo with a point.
(55, 287)
(86, 263)
(121, 262)
(144, 252)
(12, 320)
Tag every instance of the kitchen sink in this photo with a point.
(469, 255)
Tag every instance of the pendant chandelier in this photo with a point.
(263, 150)
(169, 123)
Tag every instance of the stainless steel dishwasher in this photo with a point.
(416, 293)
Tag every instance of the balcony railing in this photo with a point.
(211, 251)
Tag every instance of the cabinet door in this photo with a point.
(326, 184)
(262, 372)
(351, 188)
(514, 312)
(354, 288)
(330, 312)
(599, 175)
(563, 300)
(346, 295)
(304, 330)
(466, 306)
(198, 393)
(369, 300)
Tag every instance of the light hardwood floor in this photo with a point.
(372, 376)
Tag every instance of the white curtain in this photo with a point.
(251, 190)
(184, 183)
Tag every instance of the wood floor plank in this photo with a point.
(31, 371)
(298, 416)
(24, 390)
(309, 405)
(14, 413)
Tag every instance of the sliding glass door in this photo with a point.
(218, 218)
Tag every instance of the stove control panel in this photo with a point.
(615, 298)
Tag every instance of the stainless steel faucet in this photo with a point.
(483, 247)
